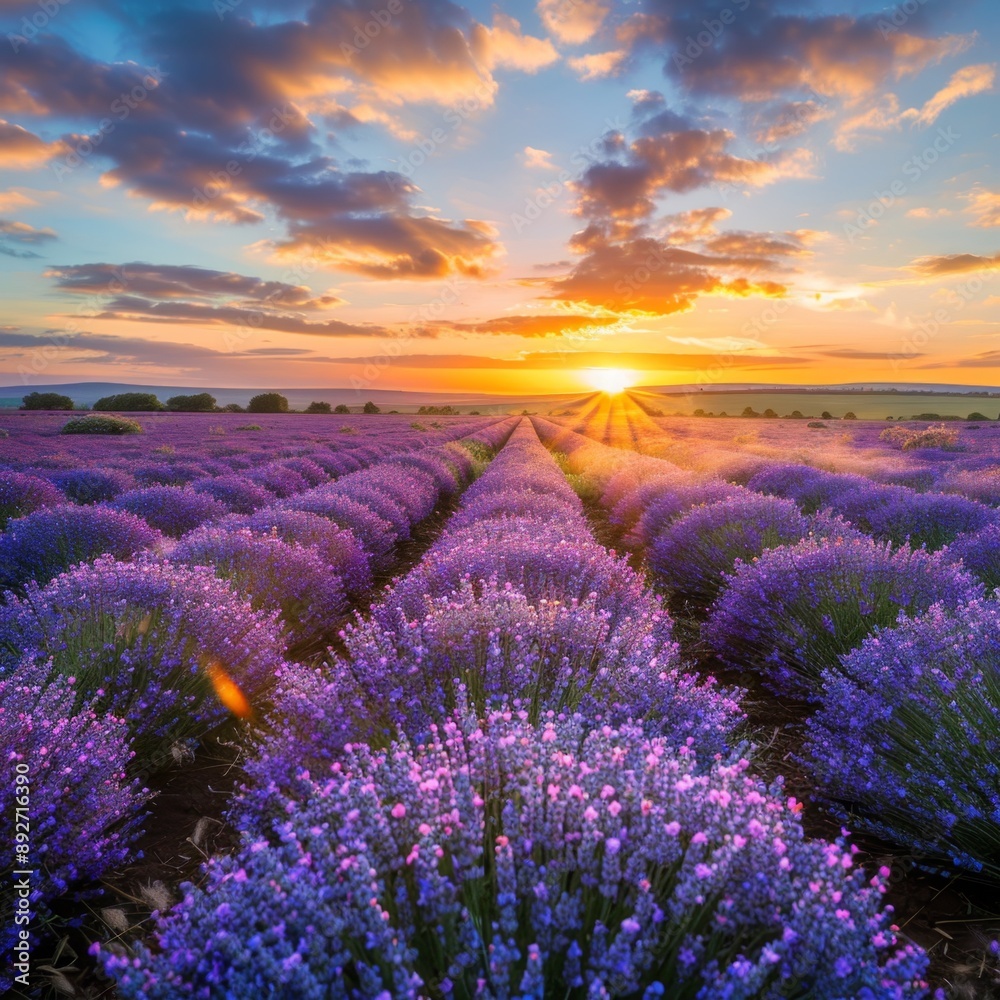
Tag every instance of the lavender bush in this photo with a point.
(174, 510)
(64, 770)
(517, 860)
(144, 640)
(41, 545)
(22, 494)
(907, 739)
(792, 612)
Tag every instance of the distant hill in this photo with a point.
(87, 393)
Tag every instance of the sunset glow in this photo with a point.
(610, 380)
(452, 198)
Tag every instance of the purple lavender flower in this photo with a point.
(174, 510)
(907, 737)
(139, 638)
(22, 494)
(50, 541)
(509, 860)
(980, 554)
(372, 531)
(65, 766)
(274, 575)
(86, 486)
(794, 610)
(693, 555)
(239, 494)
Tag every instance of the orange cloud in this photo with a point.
(984, 207)
(572, 22)
(965, 82)
(958, 263)
(23, 150)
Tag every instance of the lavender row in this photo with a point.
(507, 787)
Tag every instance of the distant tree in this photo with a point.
(315, 407)
(341, 408)
(233, 408)
(268, 402)
(46, 401)
(474, 413)
(370, 407)
(770, 414)
(437, 411)
(826, 415)
(749, 411)
(977, 416)
(201, 402)
(850, 415)
(797, 415)
(130, 401)
(698, 413)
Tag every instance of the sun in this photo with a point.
(610, 380)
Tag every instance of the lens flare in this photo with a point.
(228, 691)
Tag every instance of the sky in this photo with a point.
(515, 197)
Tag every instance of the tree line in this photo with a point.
(202, 402)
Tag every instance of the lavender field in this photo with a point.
(601, 705)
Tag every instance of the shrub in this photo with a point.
(238, 493)
(816, 424)
(101, 424)
(795, 610)
(84, 811)
(42, 545)
(131, 402)
(980, 554)
(319, 408)
(512, 860)
(850, 415)
(268, 402)
(341, 408)
(274, 575)
(370, 407)
(173, 510)
(908, 735)
(154, 643)
(248, 427)
(695, 552)
(87, 486)
(202, 402)
(935, 436)
(899, 515)
(22, 494)
(46, 401)
(976, 415)
(233, 408)
(339, 549)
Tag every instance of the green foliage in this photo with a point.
(341, 408)
(318, 407)
(233, 408)
(826, 415)
(850, 415)
(437, 411)
(132, 402)
(816, 424)
(417, 426)
(977, 416)
(248, 427)
(46, 401)
(370, 407)
(268, 402)
(202, 402)
(103, 424)
(770, 414)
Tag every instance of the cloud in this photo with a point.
(670, 153)
(645, 275)
(852, 354)
(185, 294)
(9, 200)
(577, 360)
(572, 22)
(537, 159)
(958, 263)
(984, 207)
(14, 235)
(545, 325)
(766, 53)
(597, 65)
(965, 82)
(788, 119)
(926, 212)
(510, 48)
(23, 150)
(988, 359)
(173, 282)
